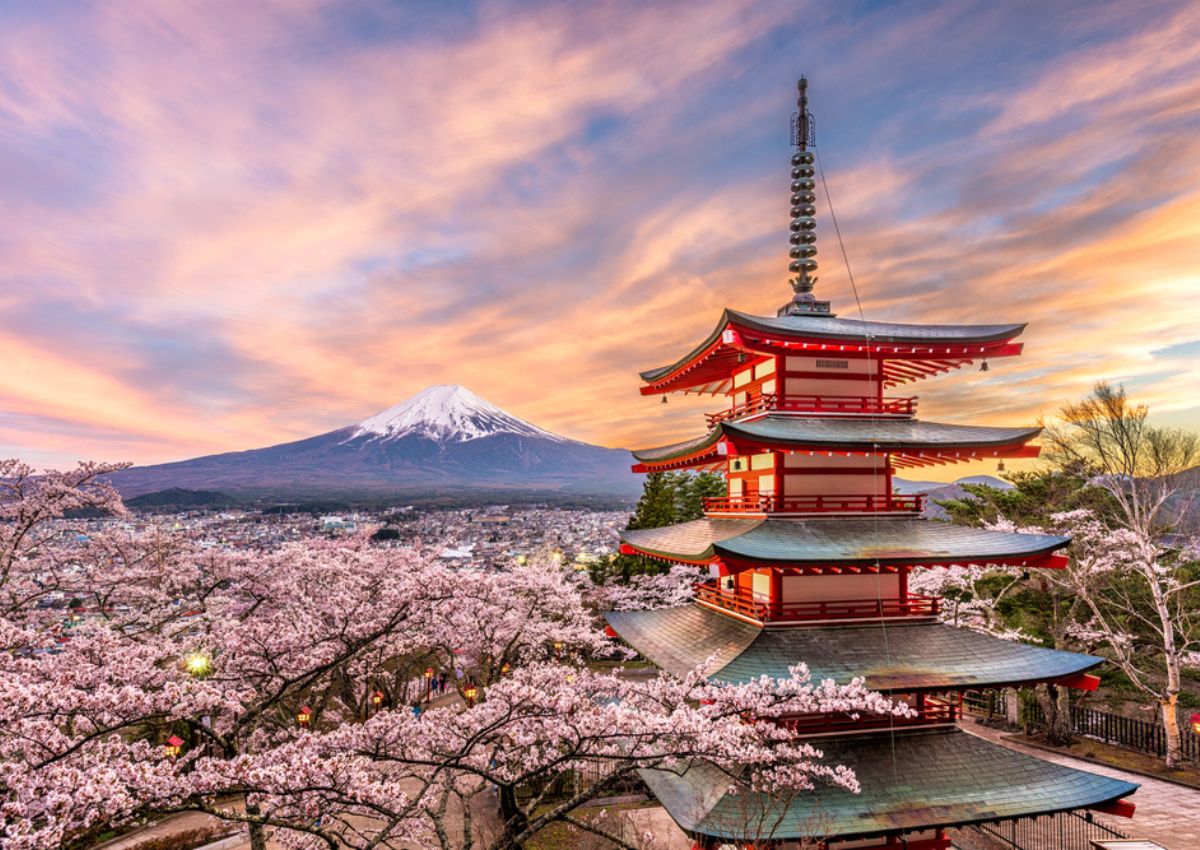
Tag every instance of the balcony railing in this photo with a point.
(867, 405)
(933, 711)
(822, 504)
(765, 611)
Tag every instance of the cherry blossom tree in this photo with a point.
(259, 665)
(417, 778)
(1150, 474)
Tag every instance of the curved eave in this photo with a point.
(951, 778)
(732, 438)
(686, 543)
(901, 658)
(708, 366)
(845, 544)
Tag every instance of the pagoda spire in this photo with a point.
(804, 210)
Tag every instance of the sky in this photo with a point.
(228, 225)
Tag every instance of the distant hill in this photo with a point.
(941, 490)
(905, 487)
(177, 497)
(445, 441)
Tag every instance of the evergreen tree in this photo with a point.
(691, 491)
(656, 508)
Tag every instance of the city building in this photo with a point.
(810, 552)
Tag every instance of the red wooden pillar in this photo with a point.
(776, 592)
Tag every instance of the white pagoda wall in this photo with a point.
(832, 588)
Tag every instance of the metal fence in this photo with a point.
(1127, 732)
(1063, 831)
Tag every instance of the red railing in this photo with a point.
(860, 404)
(814, 504)
(765, 611)
(933, 711)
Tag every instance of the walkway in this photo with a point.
(1166, 813)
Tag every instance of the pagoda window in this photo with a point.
(767, 367)
(766, 485)
(763, 461)
(760, 586)
(740, 379)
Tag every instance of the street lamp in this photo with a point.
(304, 716)
(377, 699)
(1195, 720)
(428, 684)
(558, 646)
(173, 747)
(197, 664)
(470, 692)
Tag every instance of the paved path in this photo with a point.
(168, 826)
(1166, 812)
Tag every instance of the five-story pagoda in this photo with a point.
(810, 552)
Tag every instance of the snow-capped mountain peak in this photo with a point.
(446, 413)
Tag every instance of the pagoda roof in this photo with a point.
(892, 657)
(824, 433)
(891, 339)
(913, 780)
(838, 541)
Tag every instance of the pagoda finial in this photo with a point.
(804, 210)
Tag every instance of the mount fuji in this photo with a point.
(443, 440)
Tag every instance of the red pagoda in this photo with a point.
(809, 554)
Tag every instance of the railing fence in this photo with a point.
(1063, 831)
(1142, 736)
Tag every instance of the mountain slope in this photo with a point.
(445, 439)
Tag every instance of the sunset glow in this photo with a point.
(229, 225)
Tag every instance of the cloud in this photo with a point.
(238, 224)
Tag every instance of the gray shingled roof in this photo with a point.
(910, 781)
(839, 540)
(894, 657)
(827, 327)
(816, 432)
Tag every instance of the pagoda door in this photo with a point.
(750, 490)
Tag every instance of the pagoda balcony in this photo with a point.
(855, 405)
(928, 712)
(822, 504)
(765, 611)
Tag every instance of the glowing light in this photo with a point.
(197, 664)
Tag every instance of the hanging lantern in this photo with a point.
(664, 401)
(304, 716)
(1000, 465)
(173, 747)
(983, 367)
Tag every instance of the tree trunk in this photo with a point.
(514, 819)
(1170, 718)
(1056, 705)
(258, 833)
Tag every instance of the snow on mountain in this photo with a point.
(443, 440)
(446, 413)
